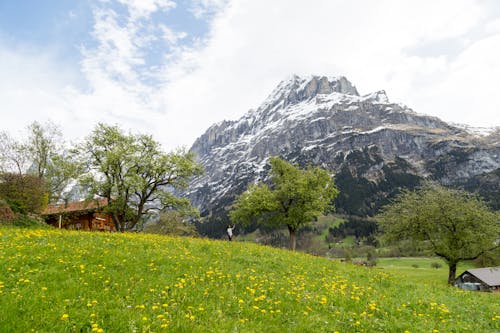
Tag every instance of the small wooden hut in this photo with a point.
(79, 215)
(482, 279)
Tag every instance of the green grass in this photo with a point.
(420, 268)
(64, 281)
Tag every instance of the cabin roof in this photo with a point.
(75, 206)
(489, 275)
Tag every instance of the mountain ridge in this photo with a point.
(364, 139)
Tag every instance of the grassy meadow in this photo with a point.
(420, 269)
(68, 281)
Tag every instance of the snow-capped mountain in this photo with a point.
(372, 145)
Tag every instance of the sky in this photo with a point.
(173, 68)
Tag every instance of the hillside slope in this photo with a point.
(64, 281)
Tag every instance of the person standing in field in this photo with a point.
(229, 231)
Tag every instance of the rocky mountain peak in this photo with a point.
(374, 146)
(296, 89)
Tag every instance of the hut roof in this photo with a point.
(75, 206)
(489, 275)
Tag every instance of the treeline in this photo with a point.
(138, 179)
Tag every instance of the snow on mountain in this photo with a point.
(324, 121)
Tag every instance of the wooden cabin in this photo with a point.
(79, 215)
(482, 279)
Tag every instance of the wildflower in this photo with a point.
(64, 316)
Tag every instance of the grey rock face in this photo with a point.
(324, 121)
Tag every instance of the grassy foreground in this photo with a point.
(62, 281)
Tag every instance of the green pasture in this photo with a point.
(420, 269)
(68, 281)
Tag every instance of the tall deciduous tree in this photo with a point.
(41, 154)
(294, 198)
(50, 159)
(134, 174)
(456, 225)
(13, 156)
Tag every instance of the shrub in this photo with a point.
(436, 265)
(6, 214)
(23, 193)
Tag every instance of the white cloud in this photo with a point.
(31, 83)
(255, 44)
(171, 36)
(144, 8)
(205, 8)
(439, 57)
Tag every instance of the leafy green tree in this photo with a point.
(172, 222)
(455, 225)
(13, 156)
(51, 161)
(295, 198)
(41, 154)
(134, 174)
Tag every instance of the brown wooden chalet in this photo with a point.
(483, 279)
(80, 215)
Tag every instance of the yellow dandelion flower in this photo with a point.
(64, 316)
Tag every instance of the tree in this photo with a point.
(172, 222)
(13, 156)
(23, 193)
(41, 154)
(454, 224)
(50, 160)
(295, 198)
(134, 174)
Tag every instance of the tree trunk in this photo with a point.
(452, 272)
(293, 238)
(118, 224)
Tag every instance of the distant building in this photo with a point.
(482, 279)
(79, 215)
